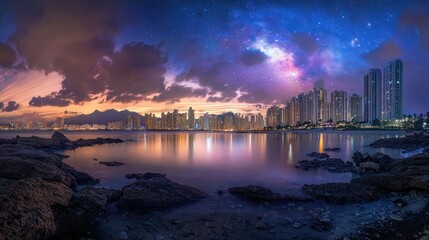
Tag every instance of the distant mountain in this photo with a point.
(98, 117)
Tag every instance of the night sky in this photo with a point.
(153, 56)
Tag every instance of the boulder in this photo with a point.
(317, 155)
(158, 193)
(18, 168)
(377, 162)
(58, 139)
(111, 163)
(342, 192)
(27, 207)
(335, 149)
(331, 164)
(258, 193)
(85, 211)
(409, 143)
(147, 175)
(402, 175)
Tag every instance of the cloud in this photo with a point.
(384, 53)
(419, 19)
(54, 99)
(137, 70)
(1, 105)
(10, 107)
(252, 57)
(214, 75)
(76, 40)
(176, 92)
(306, 42)
(7, 56)
(66, 112)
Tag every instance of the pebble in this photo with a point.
(159, 237)
(122, 235)
(325, 220)
(396, 217)
(209, 225)
(297, 225)
(261, 225)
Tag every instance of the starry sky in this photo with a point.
(71, 57)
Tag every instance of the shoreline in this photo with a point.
(214, 215)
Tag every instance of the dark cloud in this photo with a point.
(305, 41)
(384, 53)
(1, 105)
(257, 95)
(176, 92)
(7, 56)
(66, 112)
(54, 99)
(137, 70)
(216, 76)
(420, 19)
(10, 107)
(76, 39)
(252, 57)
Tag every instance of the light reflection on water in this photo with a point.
(213, 160)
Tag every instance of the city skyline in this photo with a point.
(222, 56)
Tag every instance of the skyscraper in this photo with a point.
(372, 95)
(339, 106)
(392, 92)
(356, 108)
(191, 118)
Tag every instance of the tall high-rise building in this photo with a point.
(59, 123)
(275, 116)
(339, 106)
(372, 95)
(191, 118)
(356, 108)
(392, 91)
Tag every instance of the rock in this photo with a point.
(399, 202)
(18, 168)
(111, 163)
(261, 225)
(158, 193)
(85, 210)
(396, 217)
(90, 142)
(258, 193)
(342, 192)
(122, 235)
(146, 176)
(322, 224)
(408, 143)
(401, 175)
(209, 225)
(82, 178)
(336, 149)
(317, 155)
(296, 225)
(366, 163)
(331, 164)
(27, 207)
(58, 139)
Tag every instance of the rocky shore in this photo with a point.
(408, 143)
(43, 198)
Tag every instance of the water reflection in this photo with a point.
(212, 160)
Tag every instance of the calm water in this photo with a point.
(211, 160)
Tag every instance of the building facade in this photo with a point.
(372, 95)
(392, 91)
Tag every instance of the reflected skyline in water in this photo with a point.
(213, 160)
